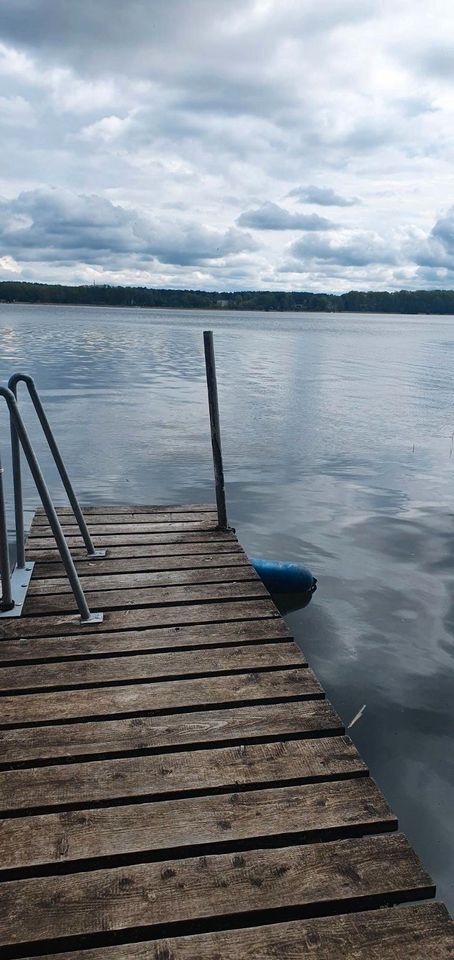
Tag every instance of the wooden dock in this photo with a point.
(174, 784)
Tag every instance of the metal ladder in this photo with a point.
(15, 583)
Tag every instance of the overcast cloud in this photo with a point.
(323, 196)
(283, 144)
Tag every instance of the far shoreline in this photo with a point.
(368, 302)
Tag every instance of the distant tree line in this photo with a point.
(356, 301)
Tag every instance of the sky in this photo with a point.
(228, 144)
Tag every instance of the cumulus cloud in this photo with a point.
(8, 266)
(324, 196)
(409, 256)
(358, 249)
(436, 251)
(269, 216)
(443, 230)
(56, 225)
(106, 129)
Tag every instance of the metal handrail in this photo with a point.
(23, 439)
(6, 601)
(17, 479)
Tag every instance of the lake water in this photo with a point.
(338, 449)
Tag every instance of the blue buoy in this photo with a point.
(280, 577)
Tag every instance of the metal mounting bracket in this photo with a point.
(93, 618)
(20, 579)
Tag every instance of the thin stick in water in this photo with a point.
(357, 716)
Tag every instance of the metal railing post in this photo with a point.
(6, 600)
(54, 523)
(18, 500)
(30, 384)
(213, 404)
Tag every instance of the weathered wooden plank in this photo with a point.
(131, 516)
(101, 509)
(202, 547)
(138, 618)
(357, 871)
(151, 776)
(124, 530)
(34, 546)
(110, 566)
(288, 814)
(98, 738)
(422, 932)
(169, 695)
(132, 581)
(149, 596)
(144, 641)
(147, 667)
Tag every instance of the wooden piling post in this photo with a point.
(213, 405)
